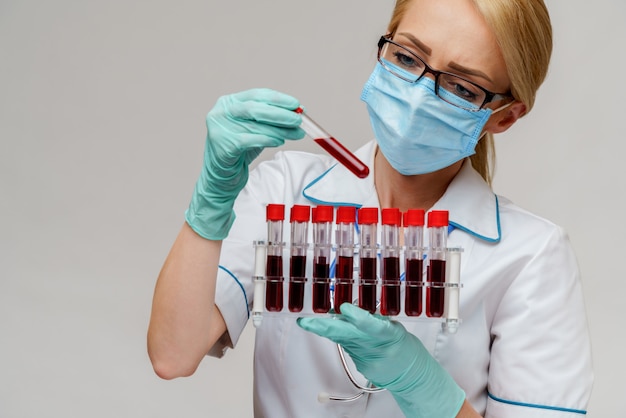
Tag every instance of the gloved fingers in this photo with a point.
(269, 96)
(363, 320)
(354, 314)
(235, 142)
(219, 127)
(354, 327)
(335, 329)
(294, 134)
(275, 136)
(263, 113)
(269, 139)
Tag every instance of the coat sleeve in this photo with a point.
(540, 357)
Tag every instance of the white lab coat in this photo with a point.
(522, 349)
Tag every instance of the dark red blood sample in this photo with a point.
(413, 292)
(368, 268)
(343, 293)
(390, 292)
(367, 285)
(297, 266)
(435, 295)
(390, 299)
(344, 156)
(344, 267)
(321, 285)
(321, 297)
(367, 297)
(274, 283)
(297, 274)
(343, 281)
(296, 296)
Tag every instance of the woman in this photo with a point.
(451, 73)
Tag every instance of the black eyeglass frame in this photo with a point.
(489, 95)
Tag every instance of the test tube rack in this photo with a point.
(280, 293)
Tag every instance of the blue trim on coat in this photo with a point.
(530, 405)
(472, 233)
(323, 202)
(452, 226)
(230, 273)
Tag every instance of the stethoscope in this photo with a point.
(324, 397)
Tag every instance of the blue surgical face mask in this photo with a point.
(417, 131)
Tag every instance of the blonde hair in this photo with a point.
(523, 31)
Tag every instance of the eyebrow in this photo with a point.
(468, 71)
(454, 65)
(421, 45)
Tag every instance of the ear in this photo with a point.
(503, 120)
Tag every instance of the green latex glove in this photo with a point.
(392, 358)
(239, 127)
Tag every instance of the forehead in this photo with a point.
(455, 31)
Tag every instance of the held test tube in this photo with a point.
(390, 269)
(344, 238)
(322, 225)
(275, 214)
(332, 146)
(368, 219)
(413, 221)
(299, 219)
(436, 276)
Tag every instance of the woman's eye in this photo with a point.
(405, 60)
(462, 89)
(463, 92)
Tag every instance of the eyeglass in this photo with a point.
(403, 63)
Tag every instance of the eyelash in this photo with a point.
(401, 58)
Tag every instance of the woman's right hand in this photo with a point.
(239, 127)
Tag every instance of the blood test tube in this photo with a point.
(332, 146)
(390, 269)
(413, 221)
(436, 276)
(275, 215)
(299, 220)
(368, 220)
(344, 239)
(322, 218)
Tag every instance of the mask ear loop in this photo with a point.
(504, 106)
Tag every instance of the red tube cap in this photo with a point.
(368, 216)
(275, 212)
(414, 217)
(300, 213)
(391, 216)
(346, 214)
(322, 213)
(437, 218)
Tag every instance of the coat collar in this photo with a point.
(337, 186)
(472, 204)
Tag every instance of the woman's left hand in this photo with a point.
(392, 358)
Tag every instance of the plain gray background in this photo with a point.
(102, 109)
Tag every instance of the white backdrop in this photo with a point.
(102, 109)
